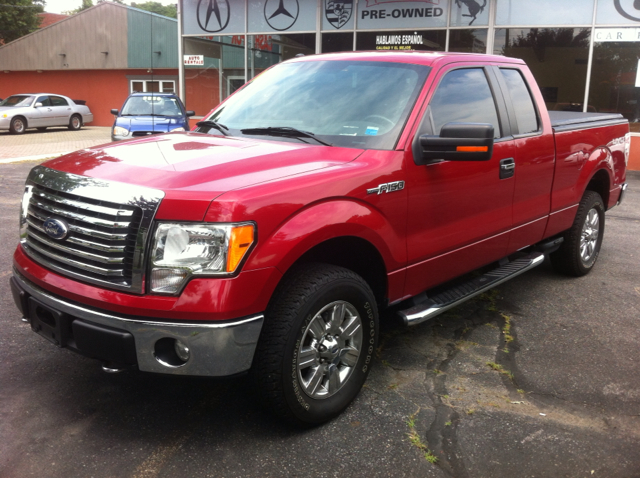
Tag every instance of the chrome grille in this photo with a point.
(107, 224)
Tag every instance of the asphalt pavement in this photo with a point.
(539, 378)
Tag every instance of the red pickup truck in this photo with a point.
(328, 188)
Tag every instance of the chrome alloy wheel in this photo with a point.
(18, 125)
(75, 122)
(329, 350)
(589, 236)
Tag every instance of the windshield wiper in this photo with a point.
(285, 131)
(214, 124)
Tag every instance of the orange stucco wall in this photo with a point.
(634, 154)
(101, 89)
(202, 88)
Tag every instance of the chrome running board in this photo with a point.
(444, 301)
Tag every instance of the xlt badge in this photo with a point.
(387, 187)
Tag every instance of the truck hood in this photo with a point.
(199, 166)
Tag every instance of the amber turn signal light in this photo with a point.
(239, 243)
(472, 149)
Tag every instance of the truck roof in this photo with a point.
(411, 56)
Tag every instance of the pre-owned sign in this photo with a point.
(402, 13)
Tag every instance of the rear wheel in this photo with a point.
(317, 344)
(581, 247)
(75, 123)
(18, 125)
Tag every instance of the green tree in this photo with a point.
(157, 7)
(18, 18)
(85, 4)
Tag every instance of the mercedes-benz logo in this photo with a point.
(55, 228)
(213, 15)
(281, 14)
(630, 10)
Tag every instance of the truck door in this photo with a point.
(459, 212)
(535, 157)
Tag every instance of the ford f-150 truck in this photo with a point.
(329, 187)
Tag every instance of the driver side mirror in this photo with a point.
(458, 142)
(191, 113)
(38, 104)
(114, 112)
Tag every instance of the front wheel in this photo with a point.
(581, 246)
(317, 344)
(75, 123)
(18, 125)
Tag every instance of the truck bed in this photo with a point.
(571, 120)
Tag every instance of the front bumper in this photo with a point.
(215, 349)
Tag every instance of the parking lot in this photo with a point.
(538, 378)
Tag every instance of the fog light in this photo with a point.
(182, 351)
(171, 352)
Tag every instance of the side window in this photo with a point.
(58, 101)
(522, 102)
(44, 100)
(463, 96)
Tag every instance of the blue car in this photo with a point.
(144, 114)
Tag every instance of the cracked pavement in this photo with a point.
(538, 378)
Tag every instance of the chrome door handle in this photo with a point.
(507, 168)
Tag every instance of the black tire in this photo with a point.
(579, 251)
(42, 128)
(18, 125)
(75, 122)
(306, 366)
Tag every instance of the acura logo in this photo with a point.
(55, 228)
(213, 15)
(281, 14)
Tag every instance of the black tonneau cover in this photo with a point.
(568, 120)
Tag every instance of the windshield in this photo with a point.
(17, 100)
(151, 105)
(359, 104)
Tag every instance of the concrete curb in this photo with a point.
(32, 158)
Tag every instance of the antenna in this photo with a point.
(153, 116)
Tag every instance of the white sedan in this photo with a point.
(41, 110)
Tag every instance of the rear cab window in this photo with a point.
(522, 102)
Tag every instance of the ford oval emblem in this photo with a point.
(55, 228)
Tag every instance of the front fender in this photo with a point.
(329, 219)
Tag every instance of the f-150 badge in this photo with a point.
(387, 187)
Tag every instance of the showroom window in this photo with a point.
(468, 40)
(557, 57)
(615, 84)
(267, 50)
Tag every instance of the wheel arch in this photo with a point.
(342, 232)
(600, 183)
(353, 253)
(23, 118)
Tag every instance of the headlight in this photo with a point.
(182, 250)
(177, 129)
(120, 131)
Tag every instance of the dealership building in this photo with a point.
(584, 54)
